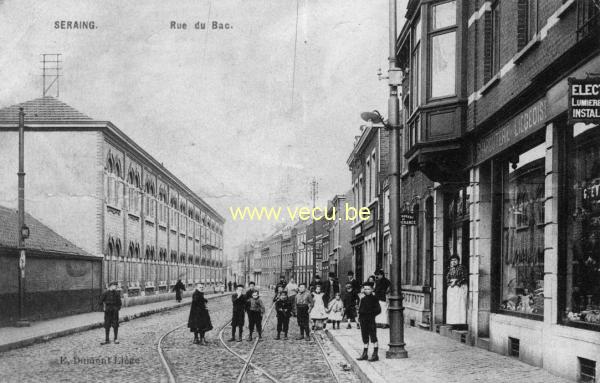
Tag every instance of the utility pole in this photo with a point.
(22, 230)
(396, 314)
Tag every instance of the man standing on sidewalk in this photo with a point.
(367, 311)
(112, 304)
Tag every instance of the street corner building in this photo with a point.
(92, 184)
(62, 279)
(495, 172)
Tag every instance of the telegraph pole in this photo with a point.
(23, 231)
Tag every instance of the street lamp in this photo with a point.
(396, 315)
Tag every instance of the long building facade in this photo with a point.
(497, 174)
(95, 186)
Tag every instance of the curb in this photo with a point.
(125, 318)
(369, 376)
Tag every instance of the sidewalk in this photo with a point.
(435, 358)
(42, 331)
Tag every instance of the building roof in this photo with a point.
(43, 109)
(41, 237)
(48, 110)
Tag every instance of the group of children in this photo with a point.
(306, 306)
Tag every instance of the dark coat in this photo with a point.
(381, 288)
(369, 307)
(283, 306)
(239, 308)
(325, 289)
(248, 297)
(111, 300)
(199, 319)
(178, 288)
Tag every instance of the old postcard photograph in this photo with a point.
(300, 191)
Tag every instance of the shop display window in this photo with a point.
(522, 243)
(583, 227)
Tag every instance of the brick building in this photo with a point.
(368, 163)
(95, 186)
(485, 98)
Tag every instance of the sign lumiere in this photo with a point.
(584, 100)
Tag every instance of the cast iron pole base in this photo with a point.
(396, 352)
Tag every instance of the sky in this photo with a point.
(245, 116)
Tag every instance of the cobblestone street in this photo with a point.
(80, 356)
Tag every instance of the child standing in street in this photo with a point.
(336, 310)
(304, 304)
(367, 311)
(317, 313)
(255, 312)
(283, 306)
(112, 304)
(350, 304)
(239, 312)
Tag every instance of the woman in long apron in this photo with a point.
(456, 297)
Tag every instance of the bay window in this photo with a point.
(442, 41)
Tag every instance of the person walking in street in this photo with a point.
(111, 299)
(369, 308)
(335, 309)
(318, 313)
(283, 306)
(178, 288)
(382, 288)
(292, 290)
(199, 319)
(350, 301)
(255, 312)
(330, 288)
(229, 284)
(239, 312)
(304, 303)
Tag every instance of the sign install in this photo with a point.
(584, 100)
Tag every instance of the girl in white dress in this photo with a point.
(336, 310)
(318, 314)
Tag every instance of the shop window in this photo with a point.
(583, 227)
(522, 248)
(443, 50)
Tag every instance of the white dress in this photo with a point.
(336, 310)
(318, 310)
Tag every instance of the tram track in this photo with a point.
(246, 357)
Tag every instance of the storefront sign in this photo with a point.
(584, 100)
(519, 127)
(407, 218)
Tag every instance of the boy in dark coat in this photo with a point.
(283, 306)
(350, 302)
(178, 288)
(367, 311)
(304, 303)
(199, 320)
(239, 312)
(256, 309)
(111, 299)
